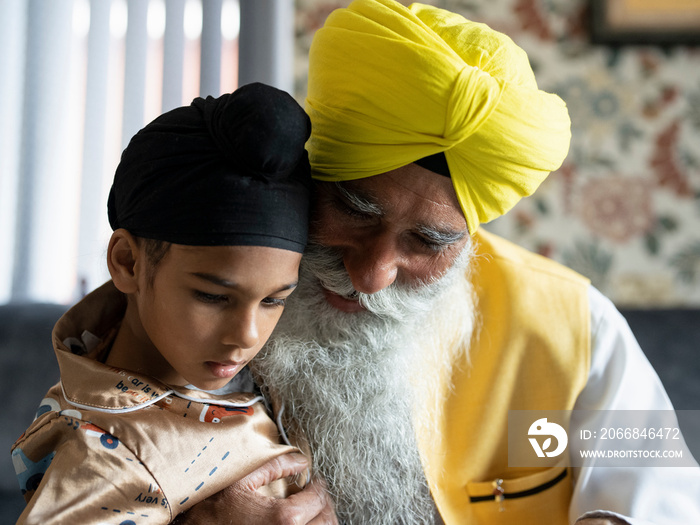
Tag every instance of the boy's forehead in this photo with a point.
(228, 266)
(215, 254)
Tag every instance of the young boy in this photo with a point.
(209, 209)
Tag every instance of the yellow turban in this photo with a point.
(389, 85)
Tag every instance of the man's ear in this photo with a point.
(123, 261)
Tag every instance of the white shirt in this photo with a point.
(621, 378)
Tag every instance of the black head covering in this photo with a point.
(223, 171)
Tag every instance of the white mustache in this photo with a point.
(397, 302)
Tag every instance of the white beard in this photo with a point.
(356, 384)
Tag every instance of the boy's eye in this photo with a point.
(210, 298)
(272, 301)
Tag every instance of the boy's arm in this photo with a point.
(241, 503)
(72, 472)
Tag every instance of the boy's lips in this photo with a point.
(224, 370)
(343, 304)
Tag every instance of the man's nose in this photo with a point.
(241, 328)
(372, 265)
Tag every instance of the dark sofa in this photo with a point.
(28, 369)
(671, 339)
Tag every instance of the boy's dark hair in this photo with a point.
(155, 252)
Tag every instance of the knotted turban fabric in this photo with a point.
(223, 171)
(389, 85)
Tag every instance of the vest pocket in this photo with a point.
(542, 497)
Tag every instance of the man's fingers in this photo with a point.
(317, 504)
(277, 468)
(601, 518)
(312, 505)
(325, 517)
(242, 504)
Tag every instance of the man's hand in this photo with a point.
(607, 520)
(242, 504)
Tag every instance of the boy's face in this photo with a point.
(209, 310)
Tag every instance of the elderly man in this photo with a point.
(414, 333)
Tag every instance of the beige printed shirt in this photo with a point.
(110, 446)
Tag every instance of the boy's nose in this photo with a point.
(242, 329)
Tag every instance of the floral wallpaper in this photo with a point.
(624, 209)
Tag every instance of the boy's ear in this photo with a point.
(122, 261)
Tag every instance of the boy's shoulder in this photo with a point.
(100, 312)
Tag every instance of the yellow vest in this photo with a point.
(530, 351)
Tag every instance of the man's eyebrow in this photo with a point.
(444, 237)
(230, 284)
(359, 202)
(363, 203)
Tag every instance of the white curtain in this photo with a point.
(77, 79)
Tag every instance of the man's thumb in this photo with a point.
(280, 467)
